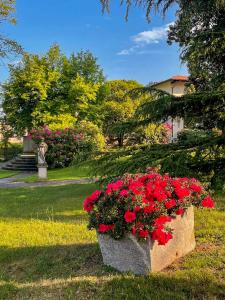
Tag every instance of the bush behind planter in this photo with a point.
(66, 145)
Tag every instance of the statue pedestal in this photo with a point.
(28, 145)
(42, 172)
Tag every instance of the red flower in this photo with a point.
(137, 208)
(182, 192)
(104, 227)
(180, 211)
(143, 233)
(196, 188)
(114, 186)
(149, 209)
(134, 230)
(171, 203)
(124, 193)
(176, 183)
(90, 200)
(159, 194)
(88, 204)
(162, 220)
(161, 236)
(129, 216)
(207, 202)
(136, 187)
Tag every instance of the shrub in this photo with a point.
(143, 204)
(94, 139)
(10, 151)
(67, 145)
(152, 134)
(63, 145)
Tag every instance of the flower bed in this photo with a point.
(143, 205)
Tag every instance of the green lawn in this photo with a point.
(6, 173)
(46, 252)
(80, 171)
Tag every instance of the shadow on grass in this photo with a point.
(198, 286)
(27, 264)
(45, 203)
(77, 272)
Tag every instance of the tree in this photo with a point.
(52, 90)
(200, 33)
(199, 29)
(119, 107)
(8, 46)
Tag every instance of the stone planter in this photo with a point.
(129, 254)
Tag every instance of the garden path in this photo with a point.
(12, 182)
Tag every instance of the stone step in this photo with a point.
(28, 163)
(23, 162)
(20, 168)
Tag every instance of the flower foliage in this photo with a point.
(63, 144)
(143, 204)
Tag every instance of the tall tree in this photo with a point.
(199, 29)
(8, 46)
(42, 90)
(119, 107)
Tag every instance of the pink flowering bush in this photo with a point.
(143, 204)
(63, 145)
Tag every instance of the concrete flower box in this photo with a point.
(129, 254)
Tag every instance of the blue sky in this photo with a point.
(125, 50)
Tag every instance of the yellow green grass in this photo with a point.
(46, 252)
(80, 171)
(6, 173)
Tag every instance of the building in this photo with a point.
(176, 86)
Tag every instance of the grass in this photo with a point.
(46, 252)
(6, 173)
(80, 171)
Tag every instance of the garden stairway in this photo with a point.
(23, 162)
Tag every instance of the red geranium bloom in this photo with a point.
(161, 236)
(207, 202)
(114, 186)
(171, 203)
(136, 187)
(90, 200)
(124, 193)
(159, 194)
(129, 216)
(182, 192)
(176, 183)
(134, 230)
(196, 188)
(162, 220)
(104, 227)
(137, 208)
(180, 211)
(143, 233)
(149, 209)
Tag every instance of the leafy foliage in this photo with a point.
(42, 90)
(199, 29)
(66, 145)
(8, 46)
(119, 107)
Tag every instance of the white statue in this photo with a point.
(42, 149)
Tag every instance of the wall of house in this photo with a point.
(176, 88)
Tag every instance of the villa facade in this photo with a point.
(176, 86)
